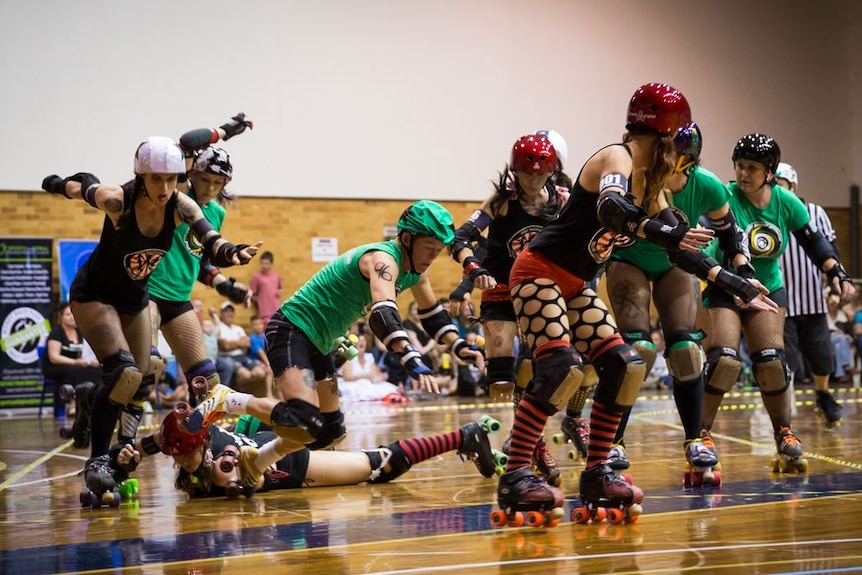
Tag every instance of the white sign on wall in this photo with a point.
(324, 249)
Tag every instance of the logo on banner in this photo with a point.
(22, 332)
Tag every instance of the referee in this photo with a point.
(806, 329)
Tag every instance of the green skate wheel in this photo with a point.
(500, 458)
(128, 488)
(490, 424)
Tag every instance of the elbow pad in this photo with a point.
(196, 139)
(437, 323)
(731, 239)
(617, 213)
(385, 323)
(815, 244)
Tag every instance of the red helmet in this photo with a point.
(176, 440)
(659, 107)
(533, 154)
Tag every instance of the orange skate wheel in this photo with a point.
(517, 520)
(498, 518)
(535, 519)
(581, 515)
(552, 523)
(615, 516)
(601, 515)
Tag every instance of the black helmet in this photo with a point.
(758, 148)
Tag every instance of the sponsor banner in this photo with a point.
(25, 317)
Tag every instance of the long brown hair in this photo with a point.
(661, 167)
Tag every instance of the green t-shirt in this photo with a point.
(766, 230)
(175, 276)
(338, 295)
(703, 192)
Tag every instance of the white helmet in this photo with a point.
(159, 155)
(559, 143)
(787, 172)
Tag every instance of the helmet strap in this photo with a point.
(408, 249)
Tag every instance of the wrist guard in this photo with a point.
(54, 184)
(735, 285)
(207, 273)
(839, 272)
(224, 255)
(235, 126)
(473, 268)
(459, 345)
(411, 359)
(665, 235)
(746, 271)
(230, 290)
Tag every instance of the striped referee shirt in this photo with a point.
(801, 277)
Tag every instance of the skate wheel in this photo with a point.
(516, 520)
(581, 515)
(573, 455)
(498, 518)
(490, 424)
(182, 409)
(535, 519)
(66, 432)
(111, 498)
(633, 513)
(501, 458)
(552, 523)
(615, 516)
(600, 515)
(696, 479)
(716, 478)
(558, 439)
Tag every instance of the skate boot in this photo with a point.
(790, 453)
(575, 430)
(702, 466)
(618, 461)
(605, 495)
(333, 432)
(544, 463)
(829, 409)
(249, 473)
(521, 490)
(476, 447)
(99, 477)
(210, 410)
(79, 433)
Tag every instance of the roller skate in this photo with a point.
(575, 430)
(99, 477)
(345, 350)
(79, 433)
(476, 448)
(544, 464)
(519, 491)
(199, 387)
(702, 466)
(618, 461)
(829, 409)
(789, 458)
(331, 434)
(606, 495)
(209, 411)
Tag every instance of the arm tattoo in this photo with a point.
(383, 272)
(113, 205)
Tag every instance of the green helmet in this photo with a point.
(427, 218)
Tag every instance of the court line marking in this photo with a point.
(31, 466)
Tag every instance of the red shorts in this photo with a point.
(530, 265)
(498, 293)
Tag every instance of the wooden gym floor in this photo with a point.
(435, 518)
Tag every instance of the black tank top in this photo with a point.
(119, 268)
(507, 235)
(576, 240)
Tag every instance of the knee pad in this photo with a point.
(591, 378)
(387, 463)
(558, 374)
(770, 371)
(621, 372)
(685, 358)
(296, 421)
(641, 343)
(524, 372)
(501, 369)
(205, 369)
(722, 370)
(121, 376)
(332, 433)
(157, 363)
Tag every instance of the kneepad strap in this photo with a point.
(121, 376)
(387, 463)
(501, 369)
(770, 371)
(641, 342)
(722, 370)
(685, 357)
(621, 373)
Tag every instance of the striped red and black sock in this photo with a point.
(603, 427)
(527, 428)
(424, 448)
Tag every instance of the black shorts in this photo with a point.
(808, 335)
(170, 310)
(287, 346)
(498, 311)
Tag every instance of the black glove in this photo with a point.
(839, 272)
(54, 184)
(746, 271)
(665, 235)
(735, 285)
(236, 126)
(230, 290)
(473, 268)
(224, 257)
(459, 345)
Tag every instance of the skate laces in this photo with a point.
(786, 435)
(706, 439)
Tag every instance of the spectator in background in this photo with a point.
(806, 329)
(266, 288)
(839, 326)
(234, 343)
(63, 361)
(167, 392)
(257, 348)
(420, 339)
